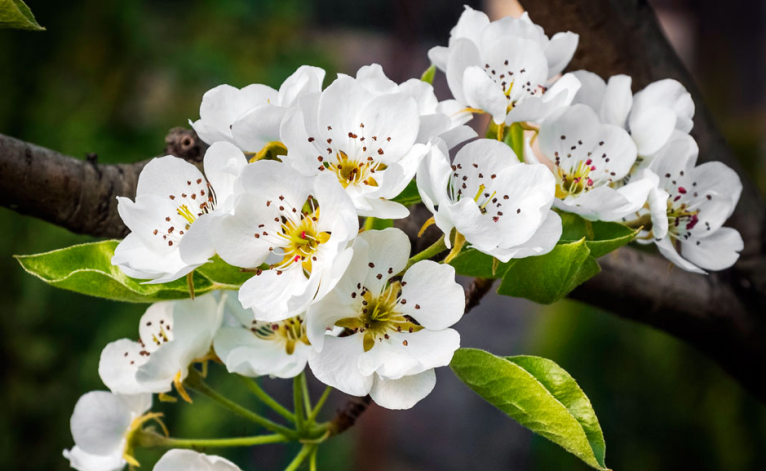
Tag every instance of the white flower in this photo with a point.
(101, 426)
(650, 115)
(689, 207)
(255, 348)
(173, 335)
(589, 158)
(170, 218)
(503, 68)
(443, 119)
(398, 331)
(365, 139)
(501, 206)
(187, 460)
(250, 117)
(300, 226)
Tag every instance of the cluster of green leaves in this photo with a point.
(15, 14)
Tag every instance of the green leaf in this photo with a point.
(548, 278)
(221, 273)
(428, 75)
(539, 395)
(514, 137)
(471, 262)
(15, 14)
(88, 269)
(601, 237)
(409, 196)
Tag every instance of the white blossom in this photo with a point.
(101, 426)
(170, 218)
(501, 206)
(689, 206)
(250, 118)
(398, 329)
(255, 348)
(589, 159)
(365, 138)
(505, 67)
(299, 226)
(188, 460)
(173, 335)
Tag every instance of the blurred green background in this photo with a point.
(113, 77)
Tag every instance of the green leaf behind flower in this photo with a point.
(539, 395)
(409, 196)
(88, 269)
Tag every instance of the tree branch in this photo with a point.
(79, 195)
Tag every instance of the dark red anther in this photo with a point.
(682, 190)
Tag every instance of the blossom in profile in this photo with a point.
(250, 117)
(102, 424)
(253, 348)
(172, 336)
(396, 325)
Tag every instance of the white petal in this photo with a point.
(188, 460)
(305, 80)
(651, 128)
(403, 393)
(479, 231)
(666, 248)
(438, 56)
(196, 246)
(336, 365)
(223, 164)
(470, 25)
(372, 78)
(718, 251)
(560, 50)
(617, 101)
(258, 127)
(118, 366)
(387, 255)
(168, 175)
(483, 93)
(592, 204)
(432, 295)
(670, 94)
(592, 89)
(234, 236)
(433, 174)
(83, 461)
(268, 294)
(99, 422)
(536, 109)
(270, 180)
(395, 116)
(246, 354)
(542, 241)
(463, 54)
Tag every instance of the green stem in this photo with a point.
(432, 251)
(300, 458)
(151, 439)
(268, 400)
(298, 403)
(195, 382)
(306, 395)
(313, 459)
(314, 413)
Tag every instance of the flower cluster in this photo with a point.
(290, 172)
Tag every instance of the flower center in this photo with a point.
(301, 239)
(195, 200)
(575, 181)
(289, 332)
(353, 171)
(379, 315)
(681, 220)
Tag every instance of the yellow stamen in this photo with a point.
(167, 398)
(457, 246)
(180, 388)
(270, 150)
(185, 213)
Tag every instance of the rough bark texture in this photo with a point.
(721, 314)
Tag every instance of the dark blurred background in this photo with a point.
(113, 77)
